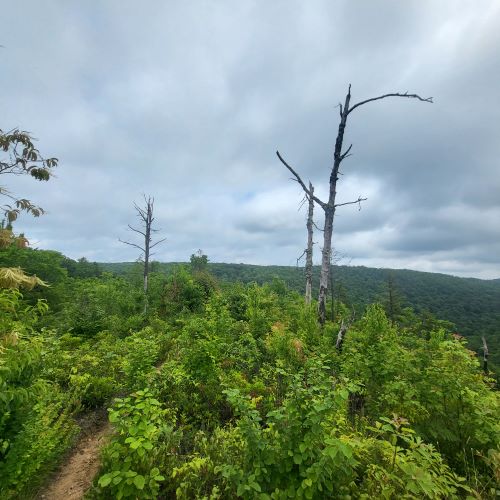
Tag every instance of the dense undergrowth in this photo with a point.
(471, 304)
(226, 391)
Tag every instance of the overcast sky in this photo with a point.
(187, 101)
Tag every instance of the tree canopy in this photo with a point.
(19, 156)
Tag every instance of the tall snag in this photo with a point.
(308, 252)
(309, 249)
(330, 206)
(146, 218)
(485, 355)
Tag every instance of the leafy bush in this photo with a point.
(45, 434)
(305, 448)
(94, 305)
(181, 293)
(143, 431)
(142, 353)
(432, 379)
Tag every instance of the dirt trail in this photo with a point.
(76, 475)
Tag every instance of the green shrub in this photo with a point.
(46, 433)
(143, 432)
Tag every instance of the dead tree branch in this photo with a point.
(300, 181)
(394, 94)
(300, 257)
(136, 230)
(359, 200)
(346, 154)
(131, 244)
(318, 228)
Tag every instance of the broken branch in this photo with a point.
(300, 181)
(346, 154)
(132, 245)
(395, 94)
(157, 243)
(359, 200)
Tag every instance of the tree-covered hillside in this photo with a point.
(472, 305)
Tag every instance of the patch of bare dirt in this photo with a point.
(75, 476)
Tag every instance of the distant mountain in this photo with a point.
(473, 305)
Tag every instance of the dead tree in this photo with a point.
(485, 356)
(344, 326)
(341, 335)
(308, 252)
(146, 219)
(330, 206)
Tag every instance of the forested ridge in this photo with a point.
(472, 305)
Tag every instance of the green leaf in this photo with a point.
(255, 486)
(134, 443)
(104, 480)
(139, 481)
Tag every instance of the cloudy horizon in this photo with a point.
(188, 102)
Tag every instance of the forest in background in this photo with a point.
(472, 305)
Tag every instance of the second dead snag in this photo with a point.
(330, 206)
(309, 250)
(146, 218)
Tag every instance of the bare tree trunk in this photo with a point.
(340, 335)
(309, 251)
(485, 356)
(330, 210)
(325, 265)
(147, 241)
(332, 295)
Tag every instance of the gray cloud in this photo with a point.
(189, 101)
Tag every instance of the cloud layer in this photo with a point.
(188, 101)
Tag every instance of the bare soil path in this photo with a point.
(75, 476)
